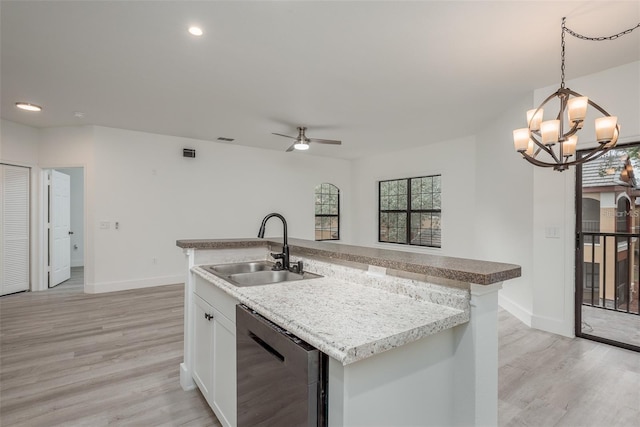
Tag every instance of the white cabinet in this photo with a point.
(203, 348)
(214, 349)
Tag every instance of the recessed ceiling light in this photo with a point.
(28, 107)
(78, 114)
(196, 31)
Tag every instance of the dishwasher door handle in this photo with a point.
(266, 346)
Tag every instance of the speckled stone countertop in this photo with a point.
(346, 320)
(459, 269)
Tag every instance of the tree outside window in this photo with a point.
(410, 211)
(327, 211)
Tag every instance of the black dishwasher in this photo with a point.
(281, 380)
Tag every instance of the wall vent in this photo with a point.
(188, 152)
(222, 138)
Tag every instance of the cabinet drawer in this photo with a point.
(218, 298)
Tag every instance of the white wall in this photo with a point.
(157, 196)
(77, 214)
(18, 143)
(504, 207)
(454, 160)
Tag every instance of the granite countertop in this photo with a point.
(347, 321)
(460, 269)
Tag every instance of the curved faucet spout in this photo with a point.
(285, 247)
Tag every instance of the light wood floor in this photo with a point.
(549, 380)
(622, 327)
(73, 359)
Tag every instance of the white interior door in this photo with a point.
(14, 229)
(60, 226)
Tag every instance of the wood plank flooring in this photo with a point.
(549, 380)
(610, 324)
(73, 359)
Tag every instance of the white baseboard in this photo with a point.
(186, 381)
(515, 309)
(548, 324)
(98, 288)
(555, 326)
(77, 263)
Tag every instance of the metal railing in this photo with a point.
(617, 251)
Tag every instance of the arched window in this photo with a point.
(327, 212)
(623, 215)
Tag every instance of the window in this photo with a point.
(591, 219)
(591, 283)
(327, 212)
(410, 211)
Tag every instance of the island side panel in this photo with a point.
(408, 385)
(476, 375)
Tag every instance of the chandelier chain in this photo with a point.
(599, 39)
(583, 37)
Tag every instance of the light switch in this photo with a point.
(552, 232)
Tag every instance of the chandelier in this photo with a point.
(552, 143)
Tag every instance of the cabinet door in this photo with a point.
(224, 369)
(203, 346)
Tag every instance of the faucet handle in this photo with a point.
(277, 255)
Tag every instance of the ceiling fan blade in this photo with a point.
(286, 136)
(325, 141)
(291, 148)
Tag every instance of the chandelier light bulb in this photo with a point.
(534, 119)
(606, 128)
(550, 130)
(521, 139)
(569, 146)
(530, 148)
(577, 108)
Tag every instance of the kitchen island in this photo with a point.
(411, 338)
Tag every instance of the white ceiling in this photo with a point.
(381, 76)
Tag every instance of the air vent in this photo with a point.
(222, 138)
(188, 152)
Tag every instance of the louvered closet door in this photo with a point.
(14, 229)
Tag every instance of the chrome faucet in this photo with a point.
(284, 256)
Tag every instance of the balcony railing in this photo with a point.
(611, 271)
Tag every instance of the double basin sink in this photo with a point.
(255, 273)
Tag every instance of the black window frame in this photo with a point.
(408, 211)
(327, 215)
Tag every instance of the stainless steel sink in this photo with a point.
(256, 273)
(240, 267)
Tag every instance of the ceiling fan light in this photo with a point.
(301, 146)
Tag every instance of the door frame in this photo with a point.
(42, 281)
(579, 260)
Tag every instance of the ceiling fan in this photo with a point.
(302, 142)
